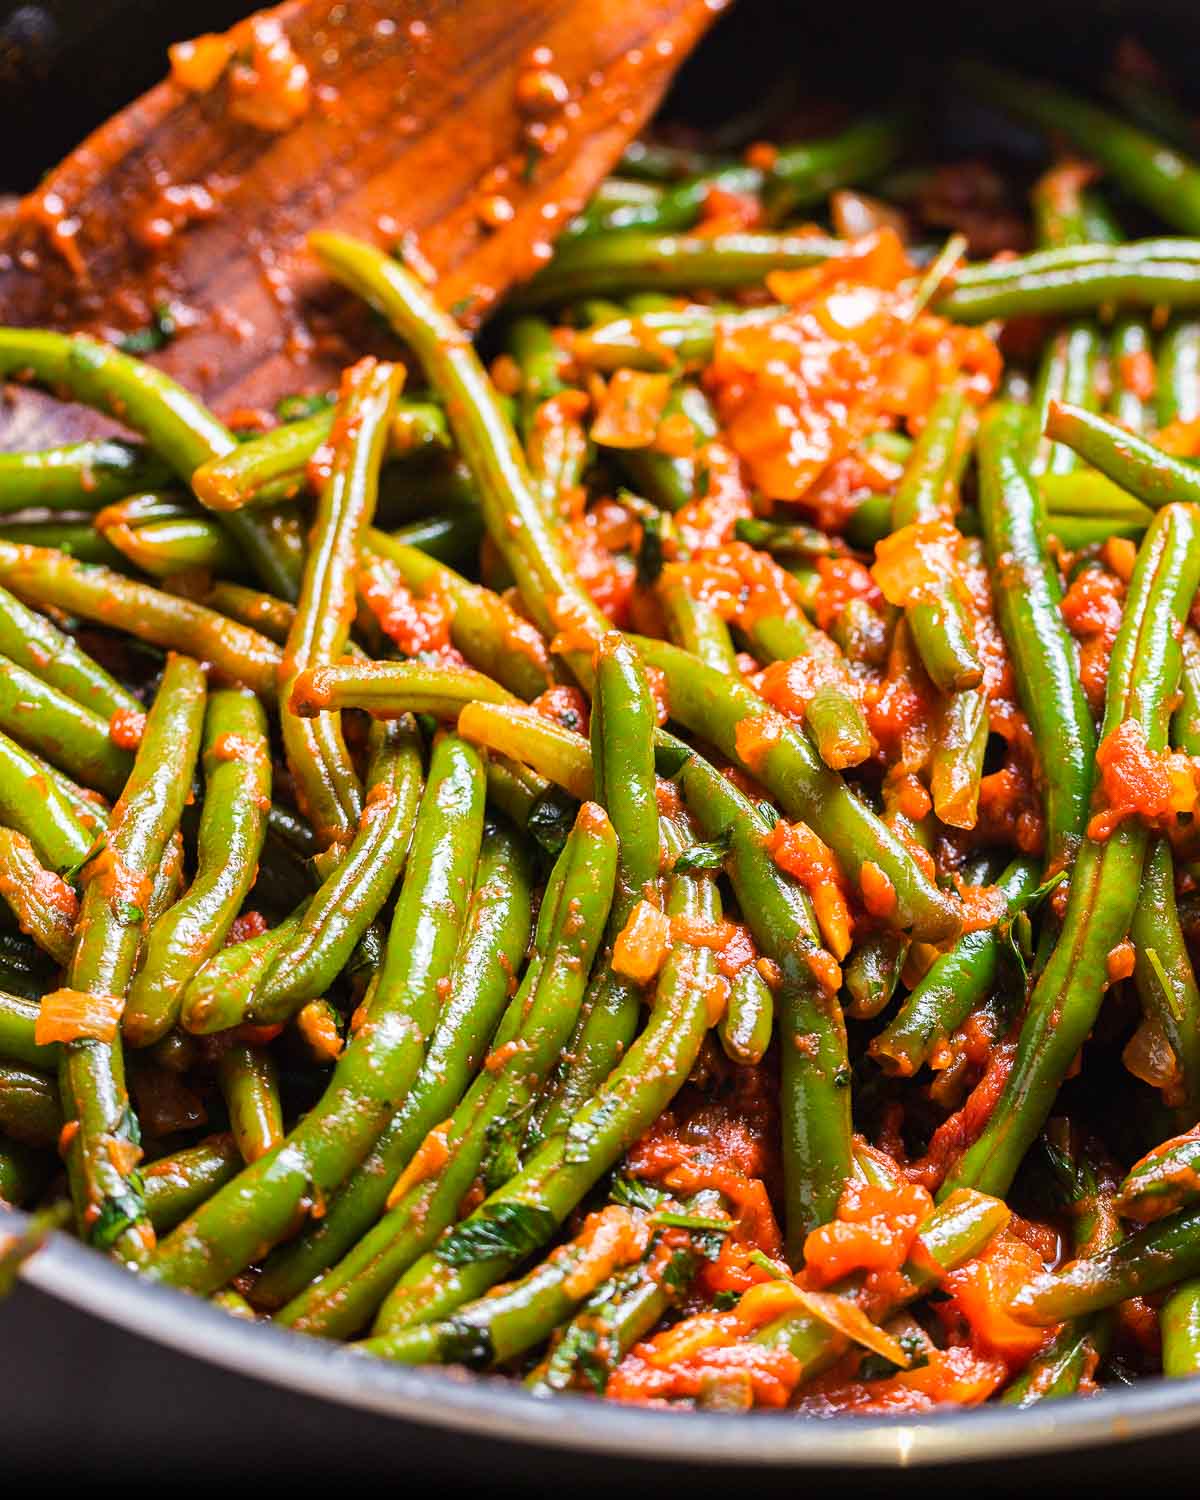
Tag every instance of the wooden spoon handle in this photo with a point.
(467, 130)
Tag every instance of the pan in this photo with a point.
(78, 1319)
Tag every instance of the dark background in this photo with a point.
(82, 1400)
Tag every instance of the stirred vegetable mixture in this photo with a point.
(655, 854)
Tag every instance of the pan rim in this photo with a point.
(491, 1407)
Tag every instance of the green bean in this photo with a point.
(18, 1042)
(783, 539)
(1149, 170)
(452, 538)
(1129, 349)
(262, 613)
(521, 1215)
(512, 509)
(112, 923)
(168, 878)
(807, 171)
(1131, 462)
(1155, 1257)
(1164, 1181)
(1179, 1321)
(708, 703)
(871, 973)
(1086, 495)
(615, 263)
(617, 203)
(351, 896)
(815, 1084)
(656, 162)
(48, 578)
(1027, 596)
(833, 714)
(376, 1069)
(30, 640)
(1154, 251)
(512, 1319)
(663, 340)
(26, 972)
(622, 738)
(477, 1136)
(218, 989)
(940, 626)
(176, 426)
(24, 1173)
(175, 1186)
(556, 444)
(611, 1321)
(1177, 390)
(273, 466)
(1185, 722)
(29, 1107)
(561, 755)
(1162, 973)
(77, 539)
(166, 539)
(52, 725)
(1057, 1371)
(953, 986)
(1067, 212)
(745, 1028)
(670, 209)
(1077, 532)
(538, 358)
(697, 628)
(1105, 880)
(1068, 215)
(230, 1300)
(484, 627)
(78, 476)
(233, 820)
(327, 785)
(1068, 374)
(870, 522)
(491, 949)
(35, 803)
(956, 761)
(249, 1082)
(392, 688)
(955, 1232)
(1030, 290)
(622, 745)
(672, 481)
(530, 801)
(43, 903)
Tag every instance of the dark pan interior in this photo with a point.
(65, 65)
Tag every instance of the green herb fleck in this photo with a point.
(118, 1212)
(296, 408)
(157, 334)
(650, 552)
(632, 1192)
(704, 856)
(670, 757)
(765, 1263)
(508, 1230)
(667, 1218)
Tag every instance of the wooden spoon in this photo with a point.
(466, 131)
